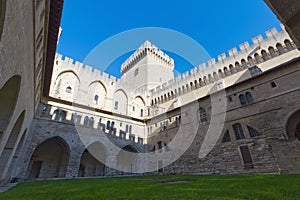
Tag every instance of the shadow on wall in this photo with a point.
(2, 15)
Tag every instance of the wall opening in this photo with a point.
(50, 164)
(8, 99)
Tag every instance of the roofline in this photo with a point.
(56, 8)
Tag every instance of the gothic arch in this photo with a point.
(64, 80)
(97, 93)
(121, 97)
(293, 126)
(50, 164)
(8, 99)
(140, 106)
(92, 162)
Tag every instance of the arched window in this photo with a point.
(69, 90)
(249, 98)
(215, 76)
(202, 115)
(242, 100)
(272, 52)
(226, 71)
(91, 122)
(265, 55)
(238, 131)
(244, 64)
(112, 125)
(55, 115)
(226, 137)
(250, 61)
(238, 66)
(127, 128)
(196, 84)
(59, 115)
(116, 105)
(108, 124)
(205, 80)
(288, 45)
(221, 75)
(86, 121)
(130, 129)
(231, 68)
(96, 98)
(280, 48)
(100, 120)
(257, 58)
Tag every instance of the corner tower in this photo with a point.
(147, 68)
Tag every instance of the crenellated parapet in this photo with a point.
(263, 48)
(66, 63)
(147, 49)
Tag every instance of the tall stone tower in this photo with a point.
(147, 68)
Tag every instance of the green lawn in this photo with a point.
(252, 187)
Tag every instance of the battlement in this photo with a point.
(262, 49)
(68, 64)
(147, 49)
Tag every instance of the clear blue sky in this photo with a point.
(216, 24)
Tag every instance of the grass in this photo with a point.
(265, 187)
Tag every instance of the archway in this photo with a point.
(10, 146)
(8, 99)
(293, 126)
(92, 159)
(50, 164)
(127, 160)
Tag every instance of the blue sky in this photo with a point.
(217, 25)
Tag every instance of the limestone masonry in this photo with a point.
(235, 114)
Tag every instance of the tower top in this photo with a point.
(147, 49)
